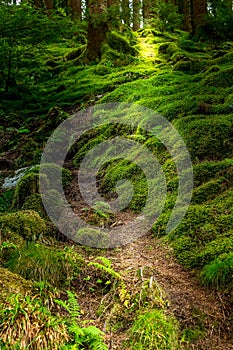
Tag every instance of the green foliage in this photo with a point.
(90, 336)
(22, 28)
(26, 319)
(154, 330)
(105, 266)
(6, 198)
(40, 263)
(219, 23)
(167, 17)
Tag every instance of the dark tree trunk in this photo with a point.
(146, 10)
(186, 10)
(48, 4)
(199, 11)
(97, 29)
(75, 8)
(136, 14)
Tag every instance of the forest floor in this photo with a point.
(195, 307)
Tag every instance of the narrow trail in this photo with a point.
(193, 305)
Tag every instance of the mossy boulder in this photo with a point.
(49, 176)
(207, 138)
(26, 224)
(12, 283)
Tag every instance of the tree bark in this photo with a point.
(187, 12)
(48, 4)
(136, 14)
(75, 8)
(199, 11)
(97, 29)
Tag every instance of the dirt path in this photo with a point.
(191, 304)
(194, 306)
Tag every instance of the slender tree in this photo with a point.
(125, 10)
(136, 14)
(97, 28)
(187, 12)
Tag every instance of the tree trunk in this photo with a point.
(97, 29)
(125, 11)
(146, 10)
(136, 14)
(75, 8)
(199, 11)
(48, 4)
(187, 15)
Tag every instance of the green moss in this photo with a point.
(34, 202)
(12, 283)
(119, 43)
(29, 183)
(207, 138)
(72, 55)
(209, 190)
(27, 224)
(221, 79)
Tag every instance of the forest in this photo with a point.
(116, 174)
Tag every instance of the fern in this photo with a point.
(71, 305)
(106, 267)
(83, 336)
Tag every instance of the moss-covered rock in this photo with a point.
(207, 138)
(26, 224)
(120, 44)
(49, 176)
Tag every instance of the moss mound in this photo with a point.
(27, 224)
